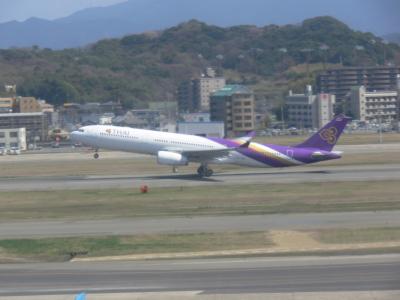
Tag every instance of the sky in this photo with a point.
(21, 10)
(378, 16)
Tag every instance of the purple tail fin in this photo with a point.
(327, 136)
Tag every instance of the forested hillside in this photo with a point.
(147, 67)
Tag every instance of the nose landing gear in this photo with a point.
(96, 154)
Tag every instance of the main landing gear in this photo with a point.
(204, 171)
(96, 154)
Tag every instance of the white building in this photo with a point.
(13, 138)
(195, 117)
(205, 87)
(370, 106)
(308, 110)
(211, 129)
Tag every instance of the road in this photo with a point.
(255, 275)
(254, 176)
(39, 228)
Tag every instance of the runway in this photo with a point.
(246, 176)
(253, 275)
(303, 221)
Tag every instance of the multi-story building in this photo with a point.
(234, 105)
(7, 105)
(36, 124)
(308, 110)
(194, 95)
(28, 105)
(187, 102)
(340, 81)
(13, 138)
(204, 87)
(31, 104)
(212, 129)
(371, 106)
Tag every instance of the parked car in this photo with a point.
(15, 151)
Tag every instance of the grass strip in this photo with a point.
(201, 200)
(351, 236)
(63, 249)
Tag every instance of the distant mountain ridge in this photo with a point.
(393, 37)
(137, 16)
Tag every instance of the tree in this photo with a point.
(55, 91)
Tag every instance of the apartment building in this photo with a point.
(371, 106)
(235, 106)
(339, 82)
(194, 94)
(308, 110)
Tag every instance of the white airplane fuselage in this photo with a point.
(152, 142)
(180, 149)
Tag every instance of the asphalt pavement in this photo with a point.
(253, 176)
(58, 228)
(220, 276)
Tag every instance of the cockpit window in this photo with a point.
(81, 130)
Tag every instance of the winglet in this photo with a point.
(246, 140)
(246, 144)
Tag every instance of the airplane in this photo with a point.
(176, 149)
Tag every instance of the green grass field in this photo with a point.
(201, 200)
(351, 236)
(62, 249)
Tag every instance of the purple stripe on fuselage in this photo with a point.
(303, 155)
(253, 154)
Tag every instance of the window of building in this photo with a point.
(247, 103)
(13, 134)
(2, 135)
(238, 125)
(247, 110)
(238, 118)
(248, 124)
(247, 117)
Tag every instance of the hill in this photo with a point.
(147, 67)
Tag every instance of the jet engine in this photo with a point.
(171, 158)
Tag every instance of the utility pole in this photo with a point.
(380, 125)
(398, 103)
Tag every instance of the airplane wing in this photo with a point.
(214, 154)
(207, 155)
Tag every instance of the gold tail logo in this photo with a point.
(329, 135)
